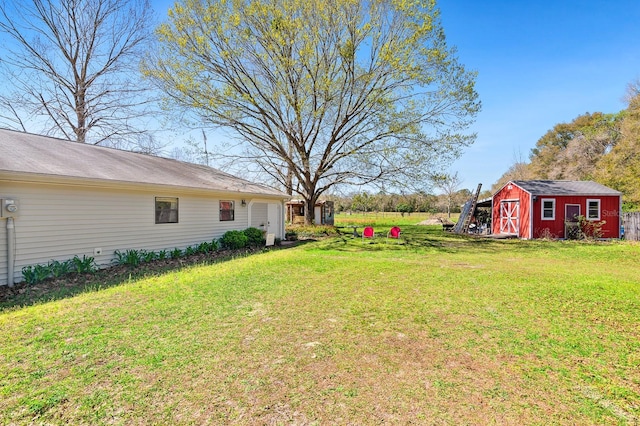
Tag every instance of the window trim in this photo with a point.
(169, 200)
(232, 210)
(553, 209)
(594, 200)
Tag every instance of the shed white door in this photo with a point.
(509, 217)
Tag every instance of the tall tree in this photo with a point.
(321, 93)
(572, 150)
(71, 66)
(620, 169)
(449, 184)
(519, 170)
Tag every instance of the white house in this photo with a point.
(60, 199)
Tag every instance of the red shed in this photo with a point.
(549, 208)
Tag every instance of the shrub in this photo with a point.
(546, 234)
(59, 269)
(291, 236)
(255, 237)
(85, 265)
(29, 275)
(148, 256)
(33, 274)
(311, 231)
(590, 229)
(130, 257)
(204, 248)
(176, 253)
(234, 240)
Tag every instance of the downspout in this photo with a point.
(11, 250)
(282, 227)
(620, 222)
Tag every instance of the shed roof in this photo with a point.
(564, 187)
(30, 154)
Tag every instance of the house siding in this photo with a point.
(59, 222)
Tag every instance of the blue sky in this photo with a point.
(539, 63)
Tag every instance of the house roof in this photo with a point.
(35, 155)
(564, 187)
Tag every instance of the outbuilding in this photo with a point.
(323, 213)
(551, 208)
(61, 199)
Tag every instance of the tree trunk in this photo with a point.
(309, 211)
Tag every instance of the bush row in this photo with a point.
(33, 274)
(232, 240)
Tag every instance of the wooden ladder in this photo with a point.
(468, 211)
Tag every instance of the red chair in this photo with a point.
(394, 233)
(368, 232)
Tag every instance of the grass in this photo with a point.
(388, 218)
(432, 329)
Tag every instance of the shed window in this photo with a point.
(548, 209)
(166, 210)
(226, 211)
(593, 209)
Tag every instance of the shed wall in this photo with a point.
(523, 198)
(62, 221)
(609, 212)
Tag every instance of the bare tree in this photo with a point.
(70, 67)
(449, 184)
(633, 90)
(321, 94)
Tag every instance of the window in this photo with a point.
(226, 211)
(548, 209)
(593, 209)
(166, 210)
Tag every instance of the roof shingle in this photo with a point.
(46, 156)
(564, 187)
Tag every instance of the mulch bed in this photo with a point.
(23, 293)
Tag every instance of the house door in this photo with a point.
(509, 217)
(272, 220)
(571, 226)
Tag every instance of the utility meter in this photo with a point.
(8, 207)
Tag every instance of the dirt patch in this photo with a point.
(436, 221)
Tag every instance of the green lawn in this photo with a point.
(388, 218)
(432, 329)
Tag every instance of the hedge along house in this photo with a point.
(549, 208)
(61, 199)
